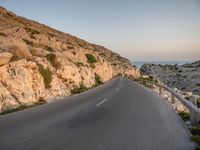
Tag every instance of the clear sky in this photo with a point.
(137, 29)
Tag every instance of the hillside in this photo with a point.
(41, 64)
(183, 77)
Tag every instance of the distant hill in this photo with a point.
(184, 77)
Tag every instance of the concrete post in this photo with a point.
(172, 98)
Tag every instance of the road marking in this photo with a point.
(97, 105)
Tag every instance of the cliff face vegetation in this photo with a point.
(38, 63)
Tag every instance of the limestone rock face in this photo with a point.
(5, 58)
(7, 101)
(38, 63)
(23, 80)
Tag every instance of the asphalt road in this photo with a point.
(119, 115)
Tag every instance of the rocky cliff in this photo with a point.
(184, 77)
(38, 63)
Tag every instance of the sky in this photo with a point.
(140, 30)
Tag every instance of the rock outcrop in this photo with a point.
(183, 77)
(38, 63)
(5, 58)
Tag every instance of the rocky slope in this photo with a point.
(183, 77)
(38, 63)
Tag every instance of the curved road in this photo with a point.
(119, 115)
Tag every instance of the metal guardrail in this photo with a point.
(191, 105)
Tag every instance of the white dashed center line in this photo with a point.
(97, 105)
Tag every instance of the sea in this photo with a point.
(138, 64)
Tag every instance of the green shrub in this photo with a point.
(195, 130)
(148, 85)
(46, 74)
(184, 115)
(90, 58)
(28, 42)
(80, 89)
(196, 138)
(51, 57)
(196, 135)
(97, 80)
(79, 64)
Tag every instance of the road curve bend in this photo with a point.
(119, 115)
